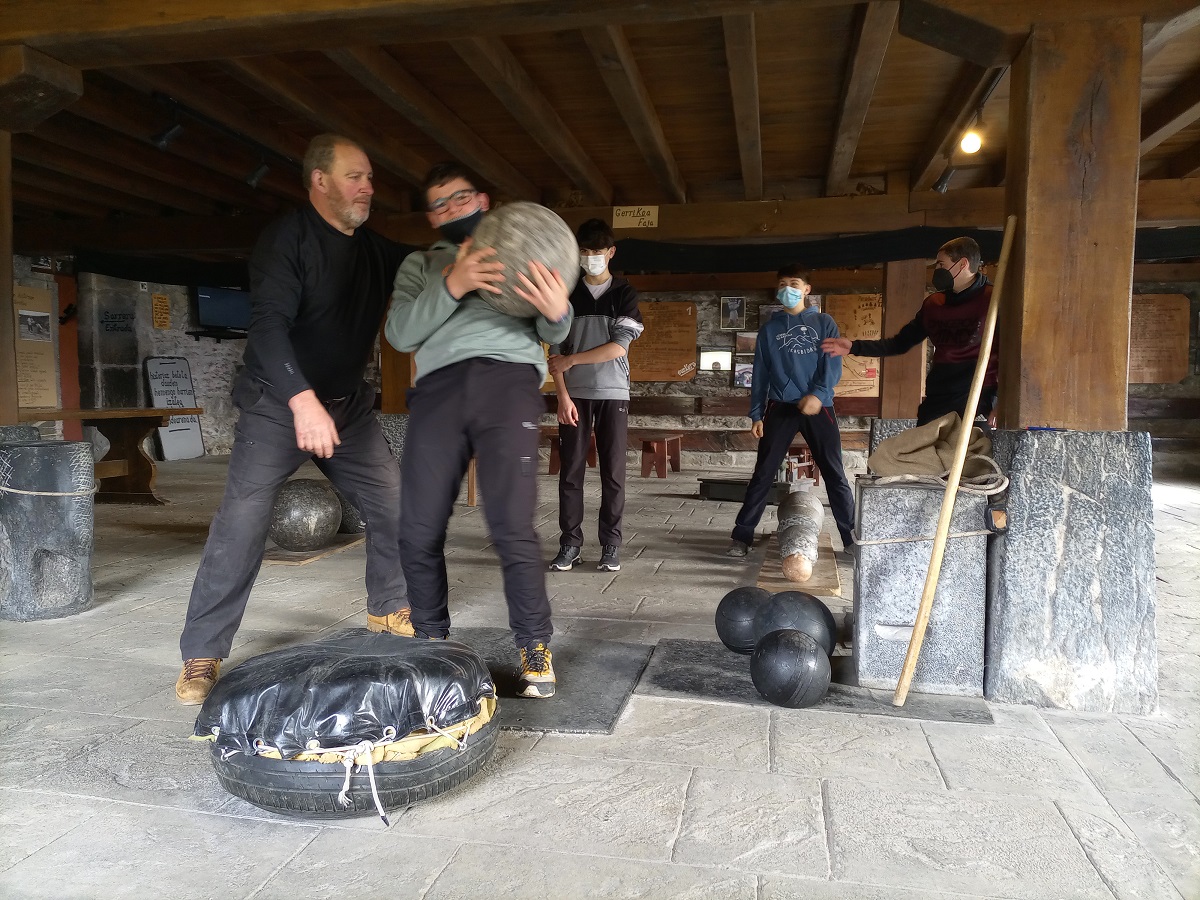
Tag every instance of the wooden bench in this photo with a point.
(126, 474)
(657, 450)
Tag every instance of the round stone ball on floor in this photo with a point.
(520, 232)
(306, 516)
(789, 668)
(800, 611)
(735, 618)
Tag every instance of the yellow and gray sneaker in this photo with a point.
(537, 674)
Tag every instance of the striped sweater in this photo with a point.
(612, 317)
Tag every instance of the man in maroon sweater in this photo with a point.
(952, 319)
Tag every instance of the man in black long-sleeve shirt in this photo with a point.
(319, 286)
(952, 318)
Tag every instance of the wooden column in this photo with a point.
(1074, 126)
(903, 377)
(8, 319)
(395, 377)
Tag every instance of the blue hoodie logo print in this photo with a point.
(799, 339)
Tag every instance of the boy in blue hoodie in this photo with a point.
(793, 391)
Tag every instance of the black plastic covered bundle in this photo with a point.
(349, 687)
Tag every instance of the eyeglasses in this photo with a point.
(458, 198)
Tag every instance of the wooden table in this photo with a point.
(126, 474)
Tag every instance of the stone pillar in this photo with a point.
(1071, 606)
(8, 319)
(1073, 149)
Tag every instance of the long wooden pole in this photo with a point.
(960, 456)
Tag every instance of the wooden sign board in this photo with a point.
(1158, 338)
(666, 350)
(858, 317)
(170, 381)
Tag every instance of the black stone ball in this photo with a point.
(306, 516)
(801, 611)
(789, 668)
(735, 617)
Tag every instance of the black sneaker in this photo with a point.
(536, 680)
(610, 559)
(738, 549)
(567, 559)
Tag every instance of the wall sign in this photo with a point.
(170, 382)
(635, 217)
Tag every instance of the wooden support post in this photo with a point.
(8, 320)
(1074, 131)
(903, 377)
(395, 377)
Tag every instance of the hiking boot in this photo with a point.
(610, 560)
(738, 549)
(399, 622)
(196, 680)
(537, 674)
(567, 559)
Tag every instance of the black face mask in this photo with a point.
(458, 230)
(943, 281)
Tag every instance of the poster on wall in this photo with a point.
(37, 370)
(858, 317)
(1158, 338)
(666, 350)
(170, 381)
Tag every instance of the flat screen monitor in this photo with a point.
(222, 308)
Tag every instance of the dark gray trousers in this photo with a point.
(487, 409)
(264, 456)
(610, 419)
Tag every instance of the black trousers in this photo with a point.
(264, 456)
(487, 409)
(946, 390)
(780, 425)
(610, 419)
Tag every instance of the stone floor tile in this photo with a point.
(603, 629)
(84, 684)
(1125, 866)
(779, 887)
(539, 802)
(30, 820)
(1111, 754)
(754, 822)
(37, 743)
(341, 863)
(1175, 743)
(1008, 760)
(585, 600)
(973, 843)
(684, 607)
(1179, 671)
(480, 871)
(660, 630)
(1170, 831)
(867, 748)
(679, 732)
(181, 857)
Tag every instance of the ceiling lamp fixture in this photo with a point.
(973, 140)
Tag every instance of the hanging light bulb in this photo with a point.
(971, 142)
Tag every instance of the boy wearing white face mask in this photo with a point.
(591, 377)
(793, 391)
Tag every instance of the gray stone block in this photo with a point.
(19, 433)
(395, 430)
(896, 524)
(886, 428)
(1071, 597)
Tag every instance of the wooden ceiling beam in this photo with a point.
(47, 180)
(1160, 202)
(614, 58)
(741, 55)
(491, 60)
(959, 35)
(1185, 163)
(119, 150)
(1157, 34)
(1173, 113)
(48, 200)
(33, 87)
(284, 86)
(38, 152)
(971, 86)
(378, 72)
(876, 22)
(113, 110)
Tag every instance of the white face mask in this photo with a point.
(594, 265)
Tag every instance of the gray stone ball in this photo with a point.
(306, 516)
(519, 232)
(352, 520)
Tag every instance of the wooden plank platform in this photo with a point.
(277, 557)
(825, 581)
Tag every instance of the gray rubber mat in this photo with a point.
(706, 670)
(594, 681)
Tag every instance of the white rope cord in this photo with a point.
(349, 755)
(992, 483)
(95, 487)
(913, 540)
(458, 744)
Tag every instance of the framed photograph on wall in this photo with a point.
(713, 359)
(733, 313)
(743, 374)
(745, 342)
